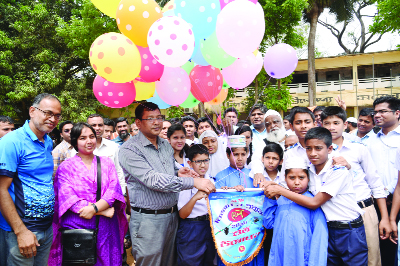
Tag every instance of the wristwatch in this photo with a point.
(95, 208)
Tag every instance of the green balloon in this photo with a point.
(190, 102)
(214, 54)
(188, 66)
(225, 85)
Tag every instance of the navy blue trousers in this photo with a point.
(195, 244)
(347, 247)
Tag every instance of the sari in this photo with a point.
(75, 187)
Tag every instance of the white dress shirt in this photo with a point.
(265, 174)
(366, 180)
(258, 138)
(397, 162)
(366, 139)
(383, 151)
(337, 182)
(200, 207)
(194, 141)
(110, 149)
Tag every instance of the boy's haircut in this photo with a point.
(174, 120)
(319, 108)
(273, 147)
(320, 133)
(206, 119)
(305, 171)
(231, 109)
(230, 150)
(260, 107)
(109, 122)
(367, 112)
(147, 106)
(196, 150)
(121, 119)
(394, 103)
(300, 110)
(189, 118)
(6, 119)
(287, 118)
(62, 124)
(334, 111)
(243, 129)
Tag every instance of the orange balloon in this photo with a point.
(220, 98)
(169, 6)
(134, 18)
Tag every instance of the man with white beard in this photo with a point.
(276, 131)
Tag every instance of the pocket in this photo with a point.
(360, 232)
(134, 224)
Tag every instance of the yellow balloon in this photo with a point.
(144, 90)
(220, 97)
(115, 57)
(169, 6)
(134, 18)
(108, 7)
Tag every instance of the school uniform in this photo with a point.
(194, 241)
(265, 174)
(366, 182)
(347, 243)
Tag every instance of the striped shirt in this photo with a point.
(151, 173)
(61, 152)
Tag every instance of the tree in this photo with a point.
(360, 41)
(341, 9)
(387, 19)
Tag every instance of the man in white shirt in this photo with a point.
(365, 125)
(258, 125)
(189, 123)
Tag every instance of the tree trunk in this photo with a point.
(311, 56)
(202, 110)
(256, 91)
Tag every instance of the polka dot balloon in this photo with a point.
(151, 70)
(206, 82)
(174, 86)
(171, 41)
(114, 95)
(111, 53)
(134, 18)
(220, 98)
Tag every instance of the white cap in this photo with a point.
(298, 163)
(351, 120)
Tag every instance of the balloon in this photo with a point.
(280, 60)
(144, 90)
(214, 54)
(108, 7)
(199, 59)
(169, 8)
(174, 86)
(157, 100)
(190, 102)
(220, 98)
(242, 72)
(171, 41)
(111, 53)
(188, 66)
(151, 70)
(206, 82)
(114, 95)
(224, 86)
(259, 62)
(240, 28)
(201, 14)
(225, 2)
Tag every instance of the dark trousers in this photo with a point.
(347, 247)
(267, 244)
(194, 243)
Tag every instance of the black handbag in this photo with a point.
(80, 245)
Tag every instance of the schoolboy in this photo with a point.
(194, 240)
(333, 191)
(366, 181)
(189, 123)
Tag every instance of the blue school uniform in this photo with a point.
(231, 177)
(300, 234)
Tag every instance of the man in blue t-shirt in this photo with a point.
(26, 186)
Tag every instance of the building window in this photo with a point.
(361, 73)
(332, 75)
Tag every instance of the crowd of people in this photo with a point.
(331, 184)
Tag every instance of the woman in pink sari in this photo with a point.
(75, 186)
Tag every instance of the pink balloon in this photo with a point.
(225, 2)
(280, 60)
(114, 95)
(242, 72)
(240, 28)
(151, 69)
(206, 82)
(174, 86)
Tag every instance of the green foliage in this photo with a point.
(388, 17)
(175, 111)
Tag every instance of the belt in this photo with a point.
(198, 218)
(347, 225)
(365, 203)
(164, 211)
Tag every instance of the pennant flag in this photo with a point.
(237, 224)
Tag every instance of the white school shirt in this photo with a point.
(383, 151)
(366, 139)
(265, 174)
(194, 141)
(366, 180)
(293, 153)
(337, 182)
(200, 207)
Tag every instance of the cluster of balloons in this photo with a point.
(186, 53)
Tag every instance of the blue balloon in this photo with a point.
(199, 59)
(201, 14)
(157, 100)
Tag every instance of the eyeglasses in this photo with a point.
(382, 112)
(49, 114)
(151, 119)
(199, 162)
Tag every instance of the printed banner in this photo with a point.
(237, 224)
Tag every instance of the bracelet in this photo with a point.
(95, 208)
